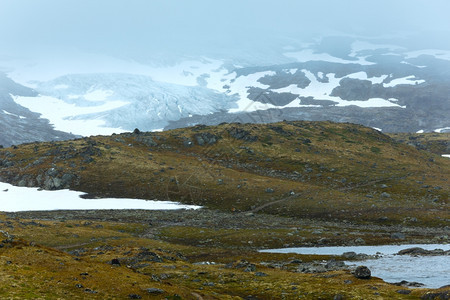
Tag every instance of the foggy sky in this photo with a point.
(137, 27)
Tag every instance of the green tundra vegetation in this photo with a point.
(260, 186)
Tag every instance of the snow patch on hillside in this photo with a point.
(363, 76)
(309, 55)
(14, 115)
(409, 80)
(63, 116)
(13, 199)
(239, 86)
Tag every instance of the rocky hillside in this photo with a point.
(318, 170)
(438, 143)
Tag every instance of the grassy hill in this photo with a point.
(319, 170)
(266, 186)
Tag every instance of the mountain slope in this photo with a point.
(384, 86)
(305, 169)
(18, 124)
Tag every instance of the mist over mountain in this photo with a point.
(142, 28)
(99, 67)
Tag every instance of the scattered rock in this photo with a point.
(134, 296)
(155, 291)
(242, 134)
(349, 255)
(348, 281)
(206, 138)
(397, 235)
(404, 292)
(311, 268)
(445, 295)
(146, 255)
(335, 265)
(146, 139)
(362, 272)
(408, 284)
(360, 241)
(421, 251)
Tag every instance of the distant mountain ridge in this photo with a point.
(342, 80)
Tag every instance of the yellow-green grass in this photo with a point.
(302, 169)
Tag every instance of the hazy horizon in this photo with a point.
(142, 29)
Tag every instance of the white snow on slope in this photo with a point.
(309, 55)
(31, 72)
(316, 89)
(440, 130)
(410, 80)
(322, 90)
(10, 114)
(363, 76)
(63, 115)
(240, 87)
(13, 198)
(446, 155)
(359, 46)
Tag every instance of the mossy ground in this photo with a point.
(272, 185)
(31, 269)
(318, 170)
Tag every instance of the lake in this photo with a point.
(433, 271)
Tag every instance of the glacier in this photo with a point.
(106, 103)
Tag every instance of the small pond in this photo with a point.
(432, 271)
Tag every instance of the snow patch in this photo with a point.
(363, 76)
(10, 114)
(240, 87)
(309, 55)
(322, 90)
(63, 115)
(291, 71)
(410, 80)
(407, 63)
(13, 198)
(440, 130)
